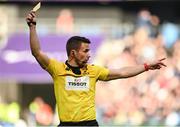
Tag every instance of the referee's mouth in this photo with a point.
(86, 61)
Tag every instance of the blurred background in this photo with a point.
(123, 33)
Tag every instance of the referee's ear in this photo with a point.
(73, 52)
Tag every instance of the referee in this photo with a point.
(75, 80)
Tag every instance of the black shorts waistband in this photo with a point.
(80, 123)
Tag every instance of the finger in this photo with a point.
(162, 59)
(163, 64)
(158, 67)
(30, 16)
(33, 14)
(29, 20)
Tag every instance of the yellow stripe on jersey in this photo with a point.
(75, 94)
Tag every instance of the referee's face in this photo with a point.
(82, 55)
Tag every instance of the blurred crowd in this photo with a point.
(151, 98)
(38, 113)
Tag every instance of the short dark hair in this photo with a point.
(75, 42)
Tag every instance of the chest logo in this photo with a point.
(77, 83)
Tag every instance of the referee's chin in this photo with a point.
(83, 64)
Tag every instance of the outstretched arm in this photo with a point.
(40, 56)
(127, 72)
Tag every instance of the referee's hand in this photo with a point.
(31, 18)
(157, 64)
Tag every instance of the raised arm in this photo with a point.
(127, 72)
(40, 56)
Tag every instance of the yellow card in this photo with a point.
(37, 7)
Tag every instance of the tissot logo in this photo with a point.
(77, 84)
(80, 83)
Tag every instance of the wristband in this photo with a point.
(29, 23)
(146, 67)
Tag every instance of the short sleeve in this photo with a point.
(102, 73)
(52, 67)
